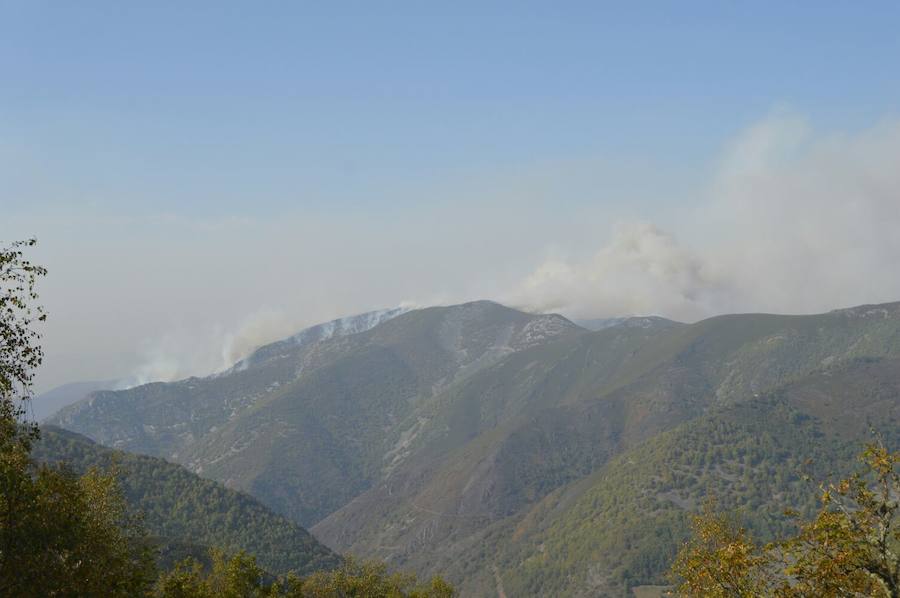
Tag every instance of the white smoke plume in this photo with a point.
(642, 270)
(793, 222)
(259, 328)
(182, 354)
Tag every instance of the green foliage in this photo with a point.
(185, 580)
(722, 561)
(621, 526)
(849, 549)
(235, 577)
(64, 535)
(20, 352)
(367, 580)
(178, 506)
(240, 577)
(60, 535)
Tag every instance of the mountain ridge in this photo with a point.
(410, 357)
(48, 403)
(433, 436)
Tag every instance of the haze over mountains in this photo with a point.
(516, 451)
(585, 222)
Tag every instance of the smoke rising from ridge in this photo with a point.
(793, 222)
(790, 221)
(181, 354)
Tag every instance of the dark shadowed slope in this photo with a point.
(183, 509)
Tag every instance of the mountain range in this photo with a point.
(523, 454)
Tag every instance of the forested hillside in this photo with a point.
(188, 514)
(622, 526)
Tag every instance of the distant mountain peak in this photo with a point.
(348, 325)
(320, 332)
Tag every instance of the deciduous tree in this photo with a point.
(850, 548)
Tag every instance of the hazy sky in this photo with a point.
(203, 178)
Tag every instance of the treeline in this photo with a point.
(240, 576)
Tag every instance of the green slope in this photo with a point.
(621, 527)
(490, 446)
(186, 510)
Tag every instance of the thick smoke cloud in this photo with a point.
(642, 270)
(792, 222)
(789, 220)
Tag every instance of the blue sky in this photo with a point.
(199, 163)
(203, 107)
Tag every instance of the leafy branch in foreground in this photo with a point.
(65, 535)
(849, 549)
(60, 534)
(20, 351)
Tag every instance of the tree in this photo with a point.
(60, 535)
(235, 577)
(722, 561)
(851, 546)
(68, 536)
(849, 549)
(20, 351)
(240, 577)
(64, 535)
(366, 580)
